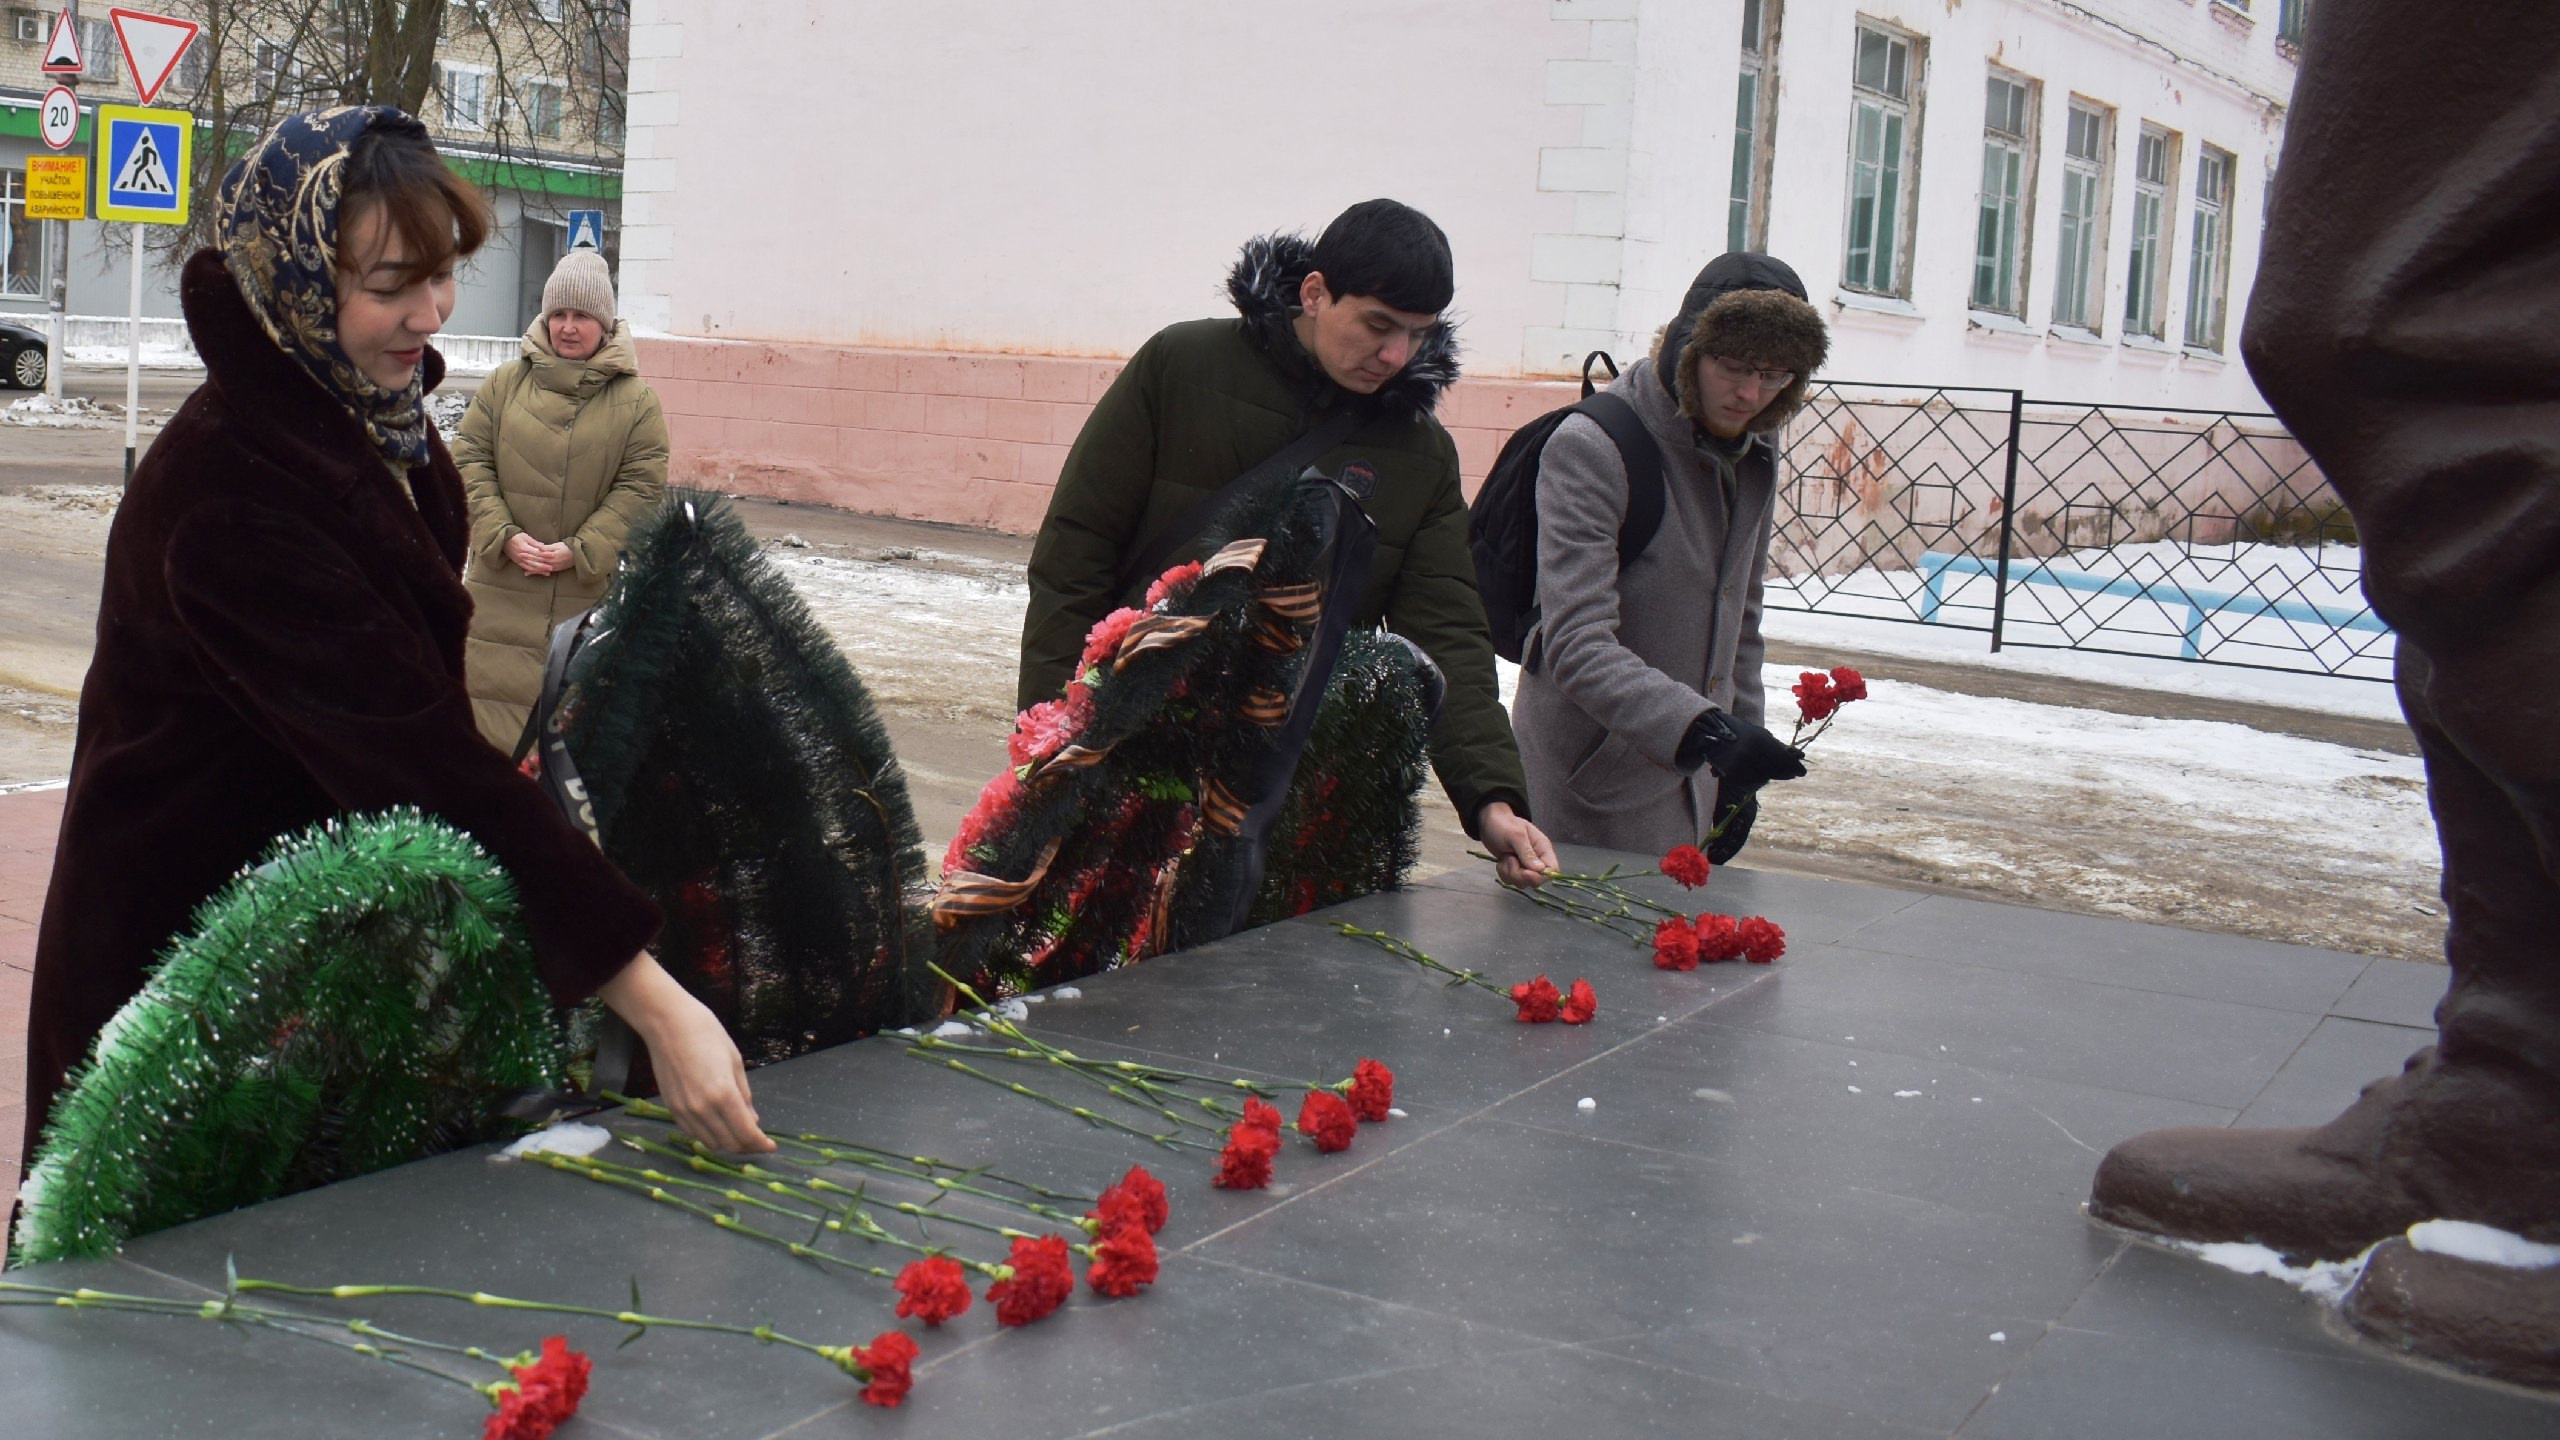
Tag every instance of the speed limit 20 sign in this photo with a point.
(59, 115)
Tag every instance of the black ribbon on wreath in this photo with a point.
(1351, 547)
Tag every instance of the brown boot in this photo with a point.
(2421, 1145)
(2485, 1319)
(2470, 1130)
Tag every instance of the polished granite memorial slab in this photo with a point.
(1838, 1196)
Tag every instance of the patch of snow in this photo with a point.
(2483, 1244)
(1906, 1094)
(1066, 992)
(2324, 1280)
(952, 1029)
(1999, 1337)
(570, 1137)
(1719, 1097)
(1854, 1090)
(1586, 1104)
(1396, 1111)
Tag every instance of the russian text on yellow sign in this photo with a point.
(173, 171)
(57, 187)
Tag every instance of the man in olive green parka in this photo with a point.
(1352, 319)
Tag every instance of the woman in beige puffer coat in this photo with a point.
(561, 453)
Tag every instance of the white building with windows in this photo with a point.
(896, 249)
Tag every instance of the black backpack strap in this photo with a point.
(1604, 358)
(1646, 495)
(1281, 464)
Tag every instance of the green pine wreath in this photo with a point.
(362, 996)
(741, 774)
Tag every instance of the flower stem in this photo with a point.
(762, 1334)
(1404, 951)
(597, 1171)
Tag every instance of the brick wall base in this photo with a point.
(960, 439)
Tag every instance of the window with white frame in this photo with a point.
(1747, 212)
(101, 57)
(2087, 150)
(192, 64)
(551, 10)
(22, 267)
(2007, 194)
(2155, 163)
(2209, 250)
(1884, 84)
(542, 104)
(279, 74)
(465, 89)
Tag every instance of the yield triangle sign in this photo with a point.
(152, 45)
(62, 53)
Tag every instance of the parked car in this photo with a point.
(21, 355)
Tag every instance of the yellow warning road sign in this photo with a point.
(57, 187)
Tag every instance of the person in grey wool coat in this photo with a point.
(1639, 710)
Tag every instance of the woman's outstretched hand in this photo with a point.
(700, 1074)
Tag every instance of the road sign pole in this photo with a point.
(133, 358)
(57, 290)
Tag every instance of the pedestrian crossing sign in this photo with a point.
(586, 230)
(144, 159)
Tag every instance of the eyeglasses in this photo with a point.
(1735, 372)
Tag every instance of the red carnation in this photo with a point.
(1718, 939)
(1044, 1275)
(933, 1289)
(1848, 683)
(1102, 642)
(1259, 1116)
(1675, 945)
(885, 1361)
(1815, 699)
(1044, 729)
(1373, 1090)
(994, 807)
(1687, 864)
(1124, 1260)
(1136, 1198)
(1537, 1000)
(545, 1392)
(1246, 1162)
(1328, 1121)
(1580, 1004)
(1173, 584)
(1761, 941)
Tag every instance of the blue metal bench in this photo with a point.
(2200, 602)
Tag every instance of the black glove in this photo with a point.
(1744, 756)
(1736, 817)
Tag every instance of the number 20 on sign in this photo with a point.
(58, 116)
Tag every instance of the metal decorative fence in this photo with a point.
(2125, 529)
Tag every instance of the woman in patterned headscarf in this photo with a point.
(280, 635)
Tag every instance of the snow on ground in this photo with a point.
(2202, 823)
(928, 631)
(2296, 650)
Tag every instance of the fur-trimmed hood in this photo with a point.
(1747, 307)
(1264, 286)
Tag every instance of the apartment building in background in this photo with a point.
(525, 98)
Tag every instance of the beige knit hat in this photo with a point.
(580, 282)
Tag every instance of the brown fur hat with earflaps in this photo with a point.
(1749, 308)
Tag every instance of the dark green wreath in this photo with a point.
(1104, 843)
(1352, 825)
(741, 775)
(362, 997)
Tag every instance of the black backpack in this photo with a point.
(1502, 524)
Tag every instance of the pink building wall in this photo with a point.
(944, 436)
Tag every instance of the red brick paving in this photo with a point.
(29, 820)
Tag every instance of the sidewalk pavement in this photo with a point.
(28, 820)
